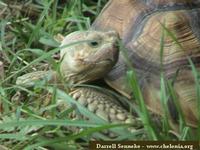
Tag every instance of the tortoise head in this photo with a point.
(88, 55)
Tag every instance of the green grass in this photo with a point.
(34, 121)
(27, 44)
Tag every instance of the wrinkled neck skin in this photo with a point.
(82, 63)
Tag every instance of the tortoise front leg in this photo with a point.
(98, 102)
(104, 106)
(30, 79)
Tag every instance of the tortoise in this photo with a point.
(141, 26)
(77, 66)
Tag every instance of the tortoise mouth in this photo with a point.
(100, 63)
(105, 61)
(94, 70)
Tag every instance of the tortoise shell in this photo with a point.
(141, 24)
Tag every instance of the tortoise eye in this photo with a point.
(94, 43)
